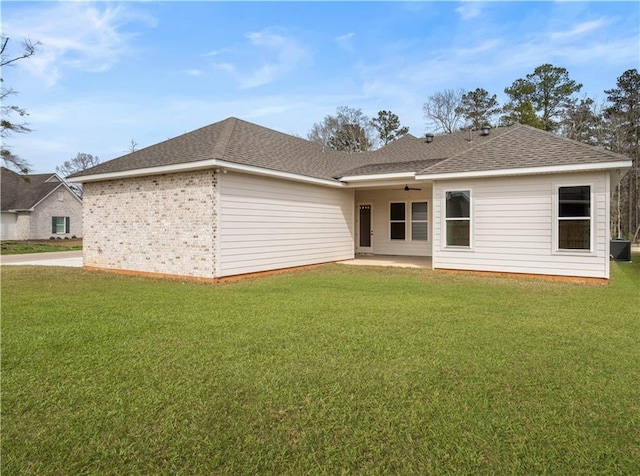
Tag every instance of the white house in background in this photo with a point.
(38, 207)
(234, 198)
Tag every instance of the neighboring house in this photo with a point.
(38, 207)
(234, 198)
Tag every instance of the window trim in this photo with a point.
(445, 220)
(412, 221)
(557, 219)
(67, 225)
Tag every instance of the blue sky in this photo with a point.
(110, 72)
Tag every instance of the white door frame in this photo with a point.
(359, 247)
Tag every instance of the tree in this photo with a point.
(442, 110)
(133, 146)
(349, 130)
(522, 113)
(8, 125)
(350, 138)
(388, 126)
(583, 121)
(478, 108)
(79, 163)
(623, 117)
(548, 89)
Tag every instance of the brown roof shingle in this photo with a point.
(244, 143)
(22, 192)
(522, 146)
(240, 142)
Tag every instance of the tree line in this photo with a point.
(546, 99)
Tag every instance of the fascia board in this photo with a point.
(163, 169)
(201, 165)
(527, 171)
(377, 177)
(249, 169)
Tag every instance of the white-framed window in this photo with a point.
(458, 218)
(574, 218)
(60, 225)
(419, 221)
(397, 220)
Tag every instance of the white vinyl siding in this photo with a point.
(266, 224)
(514, 220)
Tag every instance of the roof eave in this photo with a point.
(377, 177)
(600, 166)
(203, 165)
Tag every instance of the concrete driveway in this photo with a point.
(72, 259)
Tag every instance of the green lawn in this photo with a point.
(39, 246)
(335, 370)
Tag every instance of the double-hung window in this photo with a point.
(397, 220)
(60, 225)
(574, 218)
(458, 218)
(417, 221)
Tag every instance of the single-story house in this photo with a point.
(233, 198)
(38, 207)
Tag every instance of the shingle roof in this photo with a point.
(237, 141)
(523, 146)
(416, 155)
(413, 166)
(240, 142)
(22, 192)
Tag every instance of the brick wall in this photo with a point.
(158, 224)
(61, 203)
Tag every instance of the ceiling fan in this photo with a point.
(407, 188)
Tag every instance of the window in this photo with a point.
(419, 221)
(458, 218)
(60, 225)
(574, 218)
(397, 217)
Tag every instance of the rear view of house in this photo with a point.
(235, 198)
(38, 207)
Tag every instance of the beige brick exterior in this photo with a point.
(159, 224)
(60, 203)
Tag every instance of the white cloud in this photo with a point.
(579, 30)
(345, 41)
(275, 54)
(468, 10)
(74, 35)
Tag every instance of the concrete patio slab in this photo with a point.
(387, 260)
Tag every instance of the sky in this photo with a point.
(109, 73)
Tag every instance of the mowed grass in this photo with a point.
(39, 246)
(335, 370)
